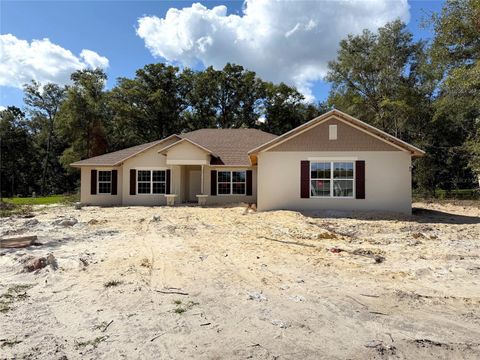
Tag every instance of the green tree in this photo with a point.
(18, 163)
(284, 108)
(202, 98)
(456, 49)
(84, 116)
(382, 79)
(43, 104)
(239, 96)
(148, 107)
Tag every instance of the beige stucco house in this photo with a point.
(333, 162)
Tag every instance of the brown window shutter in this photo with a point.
(114, 182)
(133, 181)
(93, 182)
(213, 182)
(249, 182)
(360, 179)
(305, 179)
(167, 180)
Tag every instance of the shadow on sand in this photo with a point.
(422, 215)
(419, 215)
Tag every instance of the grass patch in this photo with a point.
(94, 342)
(13, 294)
(40, 200)
(112, 283)
(70, 199)
(9, 209)
(181, 309)
(23, 205)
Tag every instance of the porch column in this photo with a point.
(201, 189)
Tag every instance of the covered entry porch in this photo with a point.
(192, 184)
(201, 177)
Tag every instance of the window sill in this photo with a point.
(233, 195)
(162, 194)
(332, 197)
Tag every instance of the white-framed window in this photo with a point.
(231, 182)
(104, 182)
(332, 179)
(151, 182)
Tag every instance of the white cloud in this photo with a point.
(290, 41)
(41, 60)
(2, 108)
(93, 60)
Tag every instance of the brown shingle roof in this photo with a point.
(117, 157)
(231, 146)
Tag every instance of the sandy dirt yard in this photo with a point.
(217, 283)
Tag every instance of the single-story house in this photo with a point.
(334, 162)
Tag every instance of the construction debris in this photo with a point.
(36, 263)
(19, 241)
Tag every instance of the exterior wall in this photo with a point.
(99, 199)
(349, 138)
(387, 181)
(187, 152)
(148, 160)
(229, 199)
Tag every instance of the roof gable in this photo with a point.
(350, 120)
(116, 158)
(349, 138)
(229, 147)
(183, 141)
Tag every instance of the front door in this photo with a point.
(194, 182)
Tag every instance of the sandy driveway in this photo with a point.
(187, 282)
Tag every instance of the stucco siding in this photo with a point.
(349, 138)
(387, 181)
(87, 198)
(148, 160)
(187, 152)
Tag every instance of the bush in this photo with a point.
(456, 194)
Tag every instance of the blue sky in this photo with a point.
(109, 30)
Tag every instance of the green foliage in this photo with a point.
(455, 194)
(112, 283)
(42, 200)
(456, 48)
(380, 78)
(94, 342)
(148, 107)
(181, 309)
(84, 116)
(43, 105)
(13, 294)
(9, 209)
(285, 108)
(18, 156)
(427, 94)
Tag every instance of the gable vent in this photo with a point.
(332, 132)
